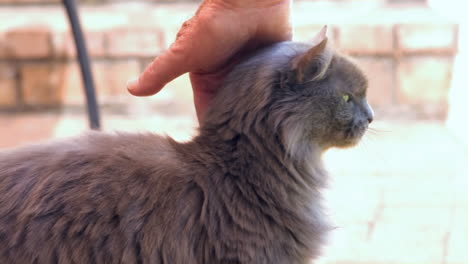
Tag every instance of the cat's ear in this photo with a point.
(313, 64)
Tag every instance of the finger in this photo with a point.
(165, 68)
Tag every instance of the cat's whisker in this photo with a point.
(378, 130)
(365, 140)
(370, 133)
(363, 144)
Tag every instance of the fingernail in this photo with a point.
(132, 83)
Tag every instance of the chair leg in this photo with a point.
(86, 74)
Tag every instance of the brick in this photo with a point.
(380, 72)
(28, 42)
(110, 78)
(72, 86)
(33, 1)
(3, 45)
(20, 129)
(52, 84)
(143, 42)
(7, 86)
(175, 99)
(40, 83)
(64, 45)
(366, 39)
(424, 38)
(169, 33)
(424, 80)
(169, 20)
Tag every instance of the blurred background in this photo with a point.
(399, 197)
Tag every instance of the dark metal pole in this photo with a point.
(86, 74)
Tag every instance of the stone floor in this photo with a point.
(398, 198)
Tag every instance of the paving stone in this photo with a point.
(461, 184)
(409, 235)
(458, 241)
(384, 160)
(353, 200)
(420, 192)
(346, 245)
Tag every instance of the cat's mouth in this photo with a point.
(353, 134)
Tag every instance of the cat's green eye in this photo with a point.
(345, 97)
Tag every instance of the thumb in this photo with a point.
(165, 68)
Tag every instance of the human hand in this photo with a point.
(209, 44)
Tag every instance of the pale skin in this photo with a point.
(210, 43)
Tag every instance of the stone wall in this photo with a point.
(408, 62)
(409, 66)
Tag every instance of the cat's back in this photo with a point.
(83, 199)
(92, 158)
(91, 143)
(92, 148)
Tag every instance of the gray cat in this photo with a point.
(245, 190)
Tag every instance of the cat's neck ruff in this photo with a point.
(263, 154)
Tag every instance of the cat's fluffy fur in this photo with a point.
(245, 190)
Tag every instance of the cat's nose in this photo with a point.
(369, 113)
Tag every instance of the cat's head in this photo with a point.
(327, 94)
(306, 94)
